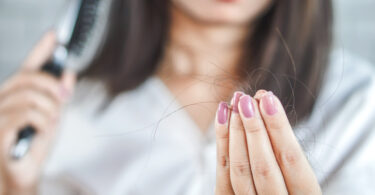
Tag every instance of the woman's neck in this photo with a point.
(200, 63)
(196, 48)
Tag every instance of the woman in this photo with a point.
(146, 117)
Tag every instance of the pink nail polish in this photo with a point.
(247, 106)
(222, 113)
(235, 100)
(269, 103)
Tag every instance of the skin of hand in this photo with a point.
(30, 97)
(257, 151)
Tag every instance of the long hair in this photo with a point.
(287, 51)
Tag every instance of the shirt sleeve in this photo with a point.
(355, 169)
(344, 159)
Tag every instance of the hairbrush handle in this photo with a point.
(26, 134)
(78, 20)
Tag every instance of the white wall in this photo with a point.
(22, 22)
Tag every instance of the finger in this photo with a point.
(39, 81)
(30, 99)
(68, 82)
(223, 185)
(264, 167)
(13, 122)
(259, 94)
(240, 173)
(18, 118)
(296, 170)
(41, 52)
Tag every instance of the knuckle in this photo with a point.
(33, 102)
(36, 78)
(246, 189)
(30, 115)
(18, 82)
(236, 127)
(36, 120)
(254, 126)
(289, 158)
(223, 161)
(23, 80)
(47, 77)
(240, 168)
(25, 98)
(262, 168)
(276, 124)
(222, 133)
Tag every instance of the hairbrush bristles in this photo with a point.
(84, 25)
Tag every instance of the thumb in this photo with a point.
(41, 52)
(68, 82)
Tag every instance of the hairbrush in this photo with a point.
(72, 34)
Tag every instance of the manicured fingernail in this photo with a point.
(259, 94)
(247, 106)
(269, 103)
(235, 99)
(222, 113)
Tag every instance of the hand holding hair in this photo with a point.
(257, 151)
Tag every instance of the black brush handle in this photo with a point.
(26, 134)
(53, 68)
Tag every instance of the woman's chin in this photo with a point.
(231, 12)
(222, 16)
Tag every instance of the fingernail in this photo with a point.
(235, 99)
(247, 106)
(269, 103)
(259, 94)
(222, 113)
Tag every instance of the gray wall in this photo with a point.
(355, 27)
(22, 22)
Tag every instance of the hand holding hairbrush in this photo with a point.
(72, 33)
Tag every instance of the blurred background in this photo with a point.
(23, 22)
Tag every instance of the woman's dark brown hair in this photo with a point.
(287, 52)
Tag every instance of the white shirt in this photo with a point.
(144, 143)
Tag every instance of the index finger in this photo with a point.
(41, 52)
